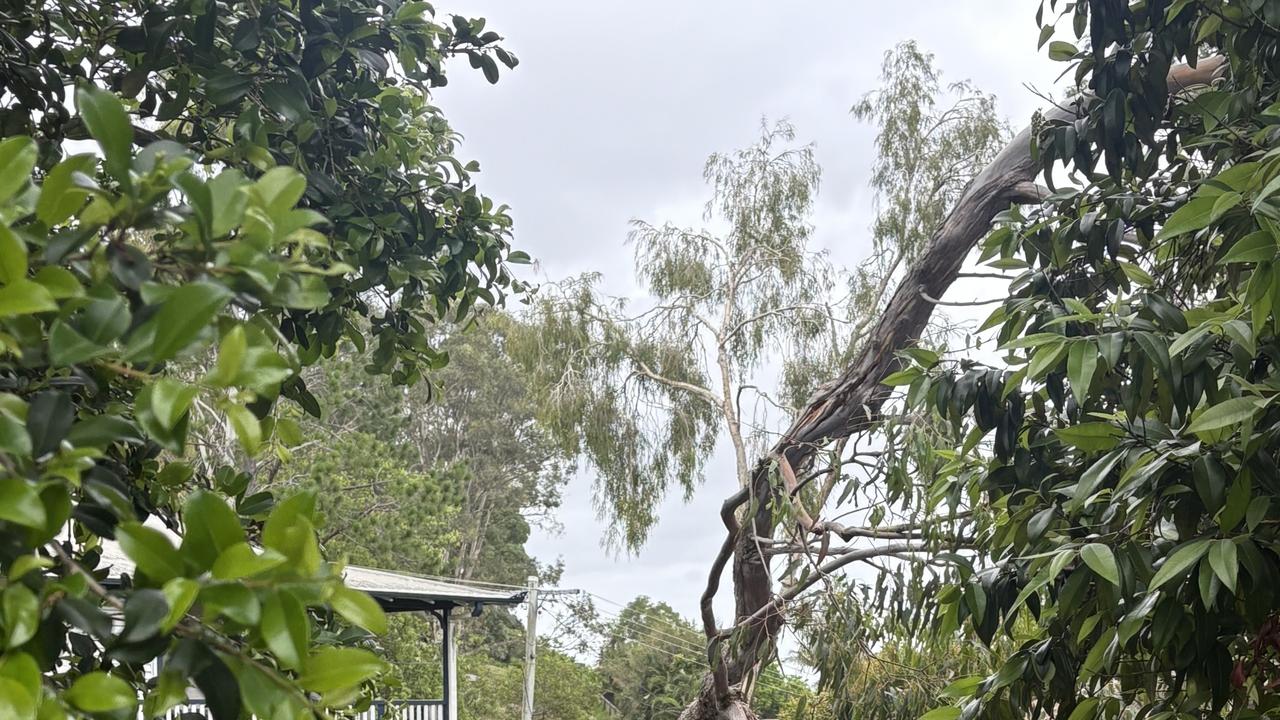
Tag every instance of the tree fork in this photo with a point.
(850, 403)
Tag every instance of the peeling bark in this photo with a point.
(850, 403)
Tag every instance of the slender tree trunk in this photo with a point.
(850, 403)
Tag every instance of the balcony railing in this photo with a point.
(381, 710)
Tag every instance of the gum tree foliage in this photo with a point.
(643, 397)
(931, 140)
(267, 180)
(1126, 444)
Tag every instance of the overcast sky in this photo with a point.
(610, 115)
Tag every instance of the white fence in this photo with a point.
(381, 710)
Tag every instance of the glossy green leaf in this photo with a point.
(358, 608)
(13, 256)
(21, 610)
(241, 560)
(20, 503)
(1179, 562)
(99, 692)
(1227, 413)
(336, 668)
(1102, 561)
(1223, 560)
(108, 123)
(185, 314)
(1254, 247)
(1081, 364)
(211, 528)
(25, 297)
(17, 160)
(151, 550)
(286, 629)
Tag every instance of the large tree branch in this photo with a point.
(643, 370)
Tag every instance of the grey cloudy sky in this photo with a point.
(610, 116)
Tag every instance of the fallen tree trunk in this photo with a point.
(848, 404)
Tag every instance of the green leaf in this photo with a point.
(286, 629)
(1179, 562)
(108, 123)
(150, 549)
(179, 594)
(144, 615)
(60, 196)
(1255, 247)
(13, 256)
(184, 315)
(59, 281)
(48, 421)
(240, 560)
(248, 430)
(21, 614)
(1223, 560)
(170, 400)
(359, 609)
(1188, 338)
(16, 701)
(1228, 413)
(963, 687)
(285, 516)
(279, 189)
(211, 527)
(1091, 478)
(1081, 363)
(1237, 504)
(905, 376)
(1257, 512)
(18, 158)
(1046, 358)
(1195, 214)
(337, 668)
(20, 503)
(1090, 436)
(943, 713)
(99, 692)
(1084, 710)
(13, 435)
(1102, 561)
(231, 354)
(1061, 51)
(232, 600)
(25, 297)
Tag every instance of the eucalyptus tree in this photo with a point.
(645, 396)
(269, 180)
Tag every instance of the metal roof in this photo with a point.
(394, 591)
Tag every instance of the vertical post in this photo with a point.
(530, 647)
(449, 654)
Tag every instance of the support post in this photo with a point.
(530, 647)
(449, 661)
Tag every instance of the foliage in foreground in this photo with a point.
(1127, 447)
(147, 294)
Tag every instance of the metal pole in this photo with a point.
(450, 667)
(530, 647)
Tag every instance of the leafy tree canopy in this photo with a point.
(1121, 457)
(267, 181)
